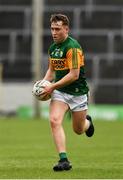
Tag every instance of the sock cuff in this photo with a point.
(62, 155)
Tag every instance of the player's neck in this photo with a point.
(63, 39)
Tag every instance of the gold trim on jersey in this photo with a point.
(75, 58)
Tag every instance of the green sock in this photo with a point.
(62, 155)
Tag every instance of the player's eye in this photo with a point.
(55, 29)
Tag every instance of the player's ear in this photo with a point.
(67, 28)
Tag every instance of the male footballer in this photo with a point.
(69, 88)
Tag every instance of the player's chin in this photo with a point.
(56, 40)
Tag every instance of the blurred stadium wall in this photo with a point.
(97, 24)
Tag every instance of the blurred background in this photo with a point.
(96, 24)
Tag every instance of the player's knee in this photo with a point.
(78, 131)
(55, 122)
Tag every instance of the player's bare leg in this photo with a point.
(82, 123)
(57, 112)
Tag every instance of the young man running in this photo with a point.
(69, 89)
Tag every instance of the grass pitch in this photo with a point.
(27, 151)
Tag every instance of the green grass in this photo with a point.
(27, 151)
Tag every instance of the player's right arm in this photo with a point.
(49, 76)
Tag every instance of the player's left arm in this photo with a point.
(66, 80)
(72, 76)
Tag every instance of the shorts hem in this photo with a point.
(81, 109)
(58, 99)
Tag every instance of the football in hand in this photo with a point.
(38, 89)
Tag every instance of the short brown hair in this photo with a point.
(59, 17)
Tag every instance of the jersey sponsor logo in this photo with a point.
(58, 63)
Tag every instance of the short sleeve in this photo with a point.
(75, 58)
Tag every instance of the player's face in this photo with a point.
(59, 31)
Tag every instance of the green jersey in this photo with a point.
(65, 56)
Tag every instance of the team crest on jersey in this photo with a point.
(57, 53)
(52, 53)
(61, 53)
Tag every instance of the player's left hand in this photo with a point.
(48, 89)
